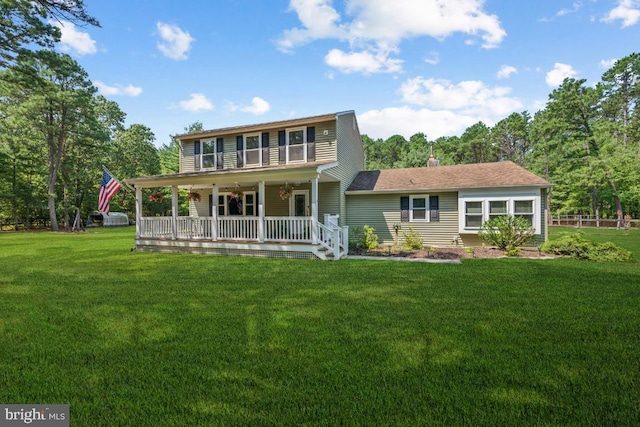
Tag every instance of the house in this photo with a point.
(293, 188)
(272, 189)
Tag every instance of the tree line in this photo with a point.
(585, 141)
(56, 133)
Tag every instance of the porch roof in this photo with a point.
(226, 177)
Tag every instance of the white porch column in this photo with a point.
(314, 210)
(261, 197)
(174, 211)
(138, 210)
(214, 213)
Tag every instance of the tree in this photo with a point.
(510, 138)
(27, 23)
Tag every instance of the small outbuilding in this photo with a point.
(101, 219)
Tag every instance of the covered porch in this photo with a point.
(244, 212)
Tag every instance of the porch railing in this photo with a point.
(189, 227)
(274, 228)
(230, 228)
(289, 229)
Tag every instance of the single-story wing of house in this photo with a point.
(445, 204)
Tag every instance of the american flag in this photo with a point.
(109, 186)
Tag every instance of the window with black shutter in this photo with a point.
(282, 146)
(219, 153)
(265, 148)
(239, 151)
(196, 155)
(311, 143)
(434, 208)
(404, 208)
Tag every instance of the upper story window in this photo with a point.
(296, 147)
(252, 150)
(208, 154)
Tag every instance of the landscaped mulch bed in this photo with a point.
(453, 253)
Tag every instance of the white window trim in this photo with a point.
(511, 199)
(292, 207)
(304, 144)
(244, 201)
(427, 215)
(244, 151)
(214, 154)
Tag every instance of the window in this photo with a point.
(296, 151)
(497, 208)
(524, 209)
(252, 151)
(474, 210)
(473, 214)
(244, 205)
(208, 154)
(418, 208)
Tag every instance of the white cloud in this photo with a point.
(117, 89)
(197, 102)
(433, 58)
(506, 71)
(628, 11)
(605, 64)
(560, 72)
(175, 43)
(379, 26)
(74, 40)
(469, 98)
(258, 106)
(362, 62)
(408, 121)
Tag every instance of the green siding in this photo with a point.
(350, 158)
(325, 147)
(382, 211)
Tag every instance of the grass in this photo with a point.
(139, 339)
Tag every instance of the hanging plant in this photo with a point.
(156, 197)
(285, 192)
(193, 195)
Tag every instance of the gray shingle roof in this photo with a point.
(480, 175)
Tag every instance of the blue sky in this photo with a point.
(404, 66)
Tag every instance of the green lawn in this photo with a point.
(140, 339)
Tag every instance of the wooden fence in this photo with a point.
(592, 222)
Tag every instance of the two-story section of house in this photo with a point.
(271, 189)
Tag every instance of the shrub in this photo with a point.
(577, 246)
(412, 239)
(363, 237)
(507, 232)
(515, 252)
